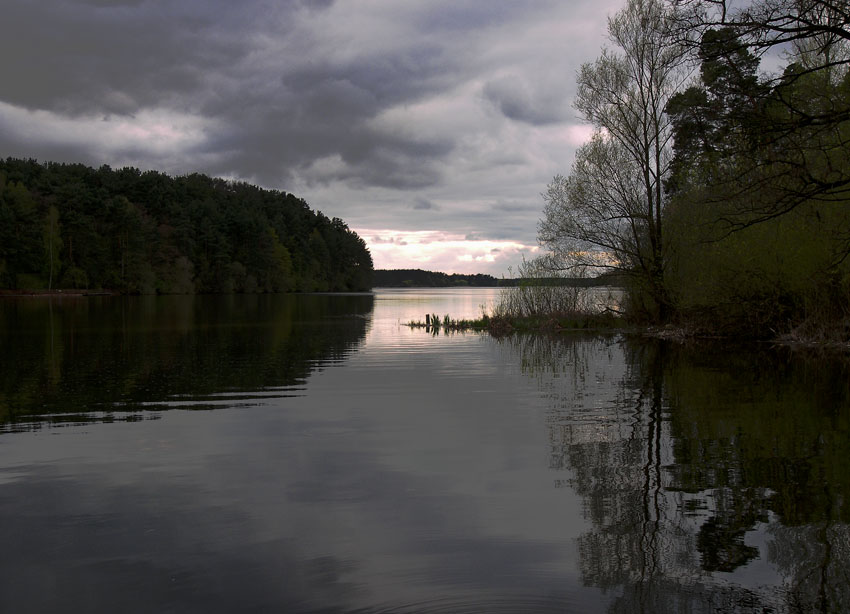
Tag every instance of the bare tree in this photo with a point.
(608, 212)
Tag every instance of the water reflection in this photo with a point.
(84, 359)
(387, 470)
(714, 480)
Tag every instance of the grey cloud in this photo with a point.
(377, 240)
(407, 74)
(521, 101)
(108, 59)
(77, 152)
(423, 204)
(451, 17)
(516, 207)
(111, 3)
(317, 4)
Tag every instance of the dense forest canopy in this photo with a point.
(72, 226)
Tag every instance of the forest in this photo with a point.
(69, 226)
(717, 180)
(418, 278)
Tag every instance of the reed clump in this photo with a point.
(434, 323)
(539, 303)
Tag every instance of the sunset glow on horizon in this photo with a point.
(442, 251)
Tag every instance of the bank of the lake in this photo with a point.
(527, 309)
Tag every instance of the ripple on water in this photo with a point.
(475, 604)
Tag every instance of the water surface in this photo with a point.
(313, 454)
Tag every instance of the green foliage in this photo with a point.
(144, 232)
(758, 222)
(761, 279)
(21, 242)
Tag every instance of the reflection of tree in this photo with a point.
(814, 560)
(81, 355)
(685, 458)
(639, 541)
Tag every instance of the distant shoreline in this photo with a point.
(54, 293)
(418, 278)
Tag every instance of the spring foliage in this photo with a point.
(723, 197)
(71, 226)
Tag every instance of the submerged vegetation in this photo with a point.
(134, 232)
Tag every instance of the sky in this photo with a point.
(430, 126)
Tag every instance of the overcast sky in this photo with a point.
(429, 126)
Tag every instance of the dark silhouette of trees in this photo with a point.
(796, 121)
(759, 187)
(417, 278)
(71, 226)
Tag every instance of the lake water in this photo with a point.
(313, 454)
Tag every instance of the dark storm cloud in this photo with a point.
(276, 114)
(323, 108)
(76, 58)
(350, 105)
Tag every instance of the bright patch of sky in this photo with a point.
(442, 251)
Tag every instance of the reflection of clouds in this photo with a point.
(393, 484)
(131, 549)
(318, 504)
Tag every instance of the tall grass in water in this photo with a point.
(537, 295)
(539, 302)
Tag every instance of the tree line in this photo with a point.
(134, 232)
(718, 188)
(418, 278)
(529, 274)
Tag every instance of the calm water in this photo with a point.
(312, 454)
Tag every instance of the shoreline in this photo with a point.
(681, 334)
(54, 293)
